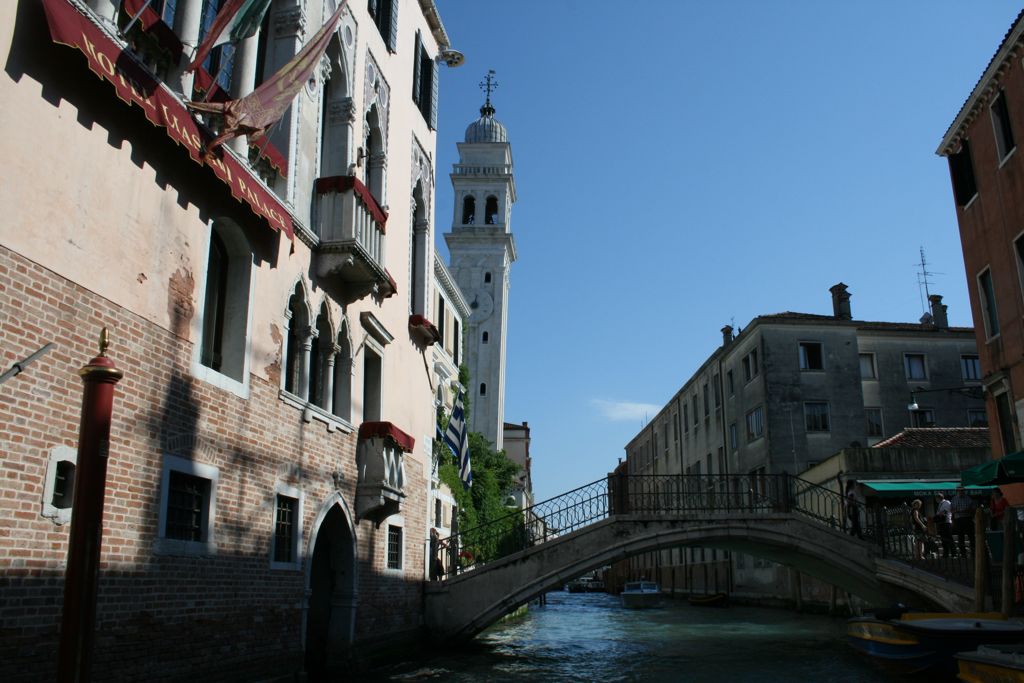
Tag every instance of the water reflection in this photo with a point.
(589, 637)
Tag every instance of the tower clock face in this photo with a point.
(481, 306)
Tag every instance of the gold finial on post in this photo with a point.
(104, 341)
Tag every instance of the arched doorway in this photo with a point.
(331, 590)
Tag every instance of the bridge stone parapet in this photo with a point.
(465, 604)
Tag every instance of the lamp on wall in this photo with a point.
(975, 392)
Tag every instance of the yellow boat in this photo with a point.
(992, 664)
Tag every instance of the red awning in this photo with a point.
(380, 430)
(134, 84)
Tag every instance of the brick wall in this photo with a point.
(166, 617)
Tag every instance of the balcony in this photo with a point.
(350, 224)
(380, 459)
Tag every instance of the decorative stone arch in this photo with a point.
(299, 332)
(338, 115)
(331, 580)
(376, 95)
(344, 366)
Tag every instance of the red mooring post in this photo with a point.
(78, 620)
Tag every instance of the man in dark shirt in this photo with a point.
(963, 519)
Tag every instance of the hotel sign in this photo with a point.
(135, 85)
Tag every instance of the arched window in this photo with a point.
(317, 362)
(491, 210)
(418, 257)
(336, 130)
(468, 210)
(373, 155)
(343, 377)
(226, 302)
(298, 328)
(485, 338)
(483, 389)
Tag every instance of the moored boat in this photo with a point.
(914, 642)
(641, 594)
(1002, 663)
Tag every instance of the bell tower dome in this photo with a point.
(482, 250)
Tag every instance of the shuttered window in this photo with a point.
(424, 83)
(385, 17)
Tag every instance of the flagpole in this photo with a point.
(131, 23)
(213, 83)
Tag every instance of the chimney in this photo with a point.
(726, 335)
(840, 302)
(939, 318)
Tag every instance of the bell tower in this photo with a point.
(482, 250)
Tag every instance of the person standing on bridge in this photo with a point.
(853, 509)
(944, 523)
(963, 519)
(918, 527)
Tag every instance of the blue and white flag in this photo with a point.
(457, 438)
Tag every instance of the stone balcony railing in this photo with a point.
(351, 226)
(482, 169)
(380, 459)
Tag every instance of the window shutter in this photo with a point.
(433, 94)
(416, 71)
(393, 26)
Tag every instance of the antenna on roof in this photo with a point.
(923, 282)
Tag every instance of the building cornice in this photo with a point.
(433, 18)
(451, 288)
(997, 66)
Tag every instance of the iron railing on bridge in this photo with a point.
(754, 494)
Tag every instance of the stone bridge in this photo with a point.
(787, 526)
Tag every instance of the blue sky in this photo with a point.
(685, 165)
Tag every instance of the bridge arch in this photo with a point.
(464, 605)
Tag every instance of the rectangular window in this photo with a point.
(977, 417)
(394, 547)
(284, 529)
(707, 403)
(371, 386)
(1004, 413)
(440, 319)
(716, 382)
(424, 83)
(811, 356)
(867, 366)
(915, 366)
(696, 415)
(733, 437)
(63, 485)
(385, 15)
(970, 368)
(729, 381)
(1001, 124)
(187, 500)
(1018, 248)
(755, 423)
(750, 367)
(961, 171)
(988, 303)
(873, 419)
(816, 417)
(922, 417)
(438, 516)
(456, 341)
(686, 417)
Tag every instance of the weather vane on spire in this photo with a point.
(489, 85)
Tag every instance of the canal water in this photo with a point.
(590, 637)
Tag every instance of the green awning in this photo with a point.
(896, 488)
(1007, 470)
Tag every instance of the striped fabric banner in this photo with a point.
(457, 439)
